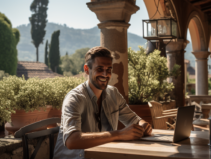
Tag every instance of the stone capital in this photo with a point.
(203, 55)
(176, 46)
(113, 24)
(113, 10)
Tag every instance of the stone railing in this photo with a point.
(198, 99)
(11, 147)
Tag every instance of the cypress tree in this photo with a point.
(46, 53)
(54, 54)
(38, 22)
(9, 38)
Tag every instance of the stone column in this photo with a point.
(175, 55)
(201, 75)
(114, 16)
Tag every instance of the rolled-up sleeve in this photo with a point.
(126, 115)
(71, 115)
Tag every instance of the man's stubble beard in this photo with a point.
(94, 82)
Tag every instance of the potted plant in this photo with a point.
(147, 76)
(26, 101)
(2, 75)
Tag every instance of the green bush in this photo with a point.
(8, 41)
(147, 75)
(74, 64)
(9, 89)
(3, 74)
(19, 94)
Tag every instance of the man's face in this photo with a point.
(100, 73)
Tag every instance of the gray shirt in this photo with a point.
(78, 114)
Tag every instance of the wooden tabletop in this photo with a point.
(196, 147)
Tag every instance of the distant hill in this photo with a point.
(72, 39)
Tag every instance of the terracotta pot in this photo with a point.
(54, 113)
(141, 110)
(22, 118)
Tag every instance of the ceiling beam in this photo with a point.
(200, 2)
(206, 9)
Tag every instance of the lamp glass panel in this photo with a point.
(174, 28)
(151, 30)
(164, 27)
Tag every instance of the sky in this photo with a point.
(73, 13)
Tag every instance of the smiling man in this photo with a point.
(91, 111)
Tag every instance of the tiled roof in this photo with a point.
(35, 69)
(191, 70)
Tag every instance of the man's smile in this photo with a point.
(102, 79)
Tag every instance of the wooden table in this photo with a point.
(194, 148)
(206, 110)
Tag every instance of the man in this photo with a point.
(90, 112)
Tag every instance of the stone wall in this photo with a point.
(11, 148)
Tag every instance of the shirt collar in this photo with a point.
(91, 93)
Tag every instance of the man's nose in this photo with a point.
(104, 73)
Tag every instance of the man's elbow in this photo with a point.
(69, 145)
(73, 140)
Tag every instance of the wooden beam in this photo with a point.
(200, 2)
(206, 9)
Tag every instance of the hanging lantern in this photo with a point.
(156, 29)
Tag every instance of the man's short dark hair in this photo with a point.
(97, 51)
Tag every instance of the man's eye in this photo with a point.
(109, 70)
(99, 69)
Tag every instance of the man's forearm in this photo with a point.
(79, 140)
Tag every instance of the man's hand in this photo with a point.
(147, 127)
(131, 132)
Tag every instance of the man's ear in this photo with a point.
(86, 69)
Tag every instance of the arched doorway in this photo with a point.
(200, 51)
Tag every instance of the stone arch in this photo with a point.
(197, 32)
(151, 8)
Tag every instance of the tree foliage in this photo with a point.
(9, 38)
(147, 76)
(74, 64)
(38, 22)
(46, 53)
(54, 54)
(66, 65)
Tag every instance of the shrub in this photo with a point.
(19, 94)
(147, 75)
(9, 89)
(3, 74)
(8, 41)
(58, 87)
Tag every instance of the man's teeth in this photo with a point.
(102, 79)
